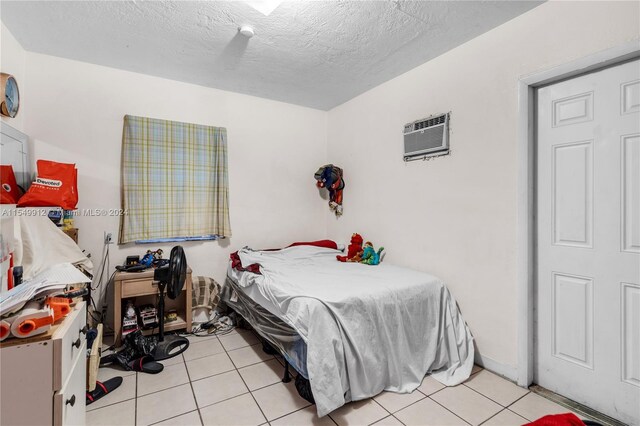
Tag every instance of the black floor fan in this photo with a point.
(170, 277)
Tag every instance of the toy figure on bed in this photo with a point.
(354, 250)
(369, 254)
(330, 177)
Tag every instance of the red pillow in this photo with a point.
(320, 243)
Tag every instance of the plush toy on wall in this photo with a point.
(354, 250)
(369, 254)
(330, 177)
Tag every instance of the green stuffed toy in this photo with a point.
(369, 254)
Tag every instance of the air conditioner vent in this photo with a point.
(425, 137)
(429, 123)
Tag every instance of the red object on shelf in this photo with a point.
(10, 273)
(56, 185)
(9, 193)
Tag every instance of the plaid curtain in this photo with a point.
(174, 181)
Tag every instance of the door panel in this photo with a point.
(630, 99)
(631, 333)
(588, 241)
(573, 194)
(573, 299)
(631, 193)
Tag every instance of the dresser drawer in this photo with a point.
(25, 384)
(133, 288)
(69, 404)
(68, 343)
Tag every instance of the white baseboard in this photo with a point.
(506, 371)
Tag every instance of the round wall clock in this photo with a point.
(9, 95)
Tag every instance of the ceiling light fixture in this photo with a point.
(264, 6)
(246, 31)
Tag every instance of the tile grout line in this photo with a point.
(200, 357)
(172, 417)
(191, 386)
(223, 400)
(238, 370)
(385, 417)
(161, 390)
(413, 403)
(182, 384)
(502, 407)
(466, 422)
(492, 417)
(400, 421)
(198, 407)
(245, 384)
(294, 411)
(390, 413)
(109, 405)
(491, 399)
(424, 396)
(156, 391)
(262, 387)
(253, 397)
(249, 365)
(244, 347)
(204, 341)
(515, 412)
(170, 387)
(502, 411)
(280, 381)
(374, 400)
(519, 415)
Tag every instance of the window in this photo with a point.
(174, 181)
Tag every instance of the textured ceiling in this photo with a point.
(313, 53)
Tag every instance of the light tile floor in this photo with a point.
(229, 380)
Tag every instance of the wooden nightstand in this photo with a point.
(141, 287)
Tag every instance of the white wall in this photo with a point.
(75, 114)
(456, 216)
(12, 61)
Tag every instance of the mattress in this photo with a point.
(262, 315)
(252, 291)
(366, 328)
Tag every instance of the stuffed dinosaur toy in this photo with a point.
(354, 250)
(369, 254)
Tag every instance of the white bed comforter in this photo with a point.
(367, 328)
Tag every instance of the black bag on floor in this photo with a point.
(304, 388)
(136, 354)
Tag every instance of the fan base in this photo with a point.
(171, 346)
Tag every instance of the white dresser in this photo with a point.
(44, 382)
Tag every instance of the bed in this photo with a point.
(352, 330)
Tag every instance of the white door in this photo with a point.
(588, 236)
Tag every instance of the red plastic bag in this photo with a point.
(55, 186)
(566, 419)
(10, 192)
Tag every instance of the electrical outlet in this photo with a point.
(107, 238)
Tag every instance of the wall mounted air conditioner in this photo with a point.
(426, 137)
